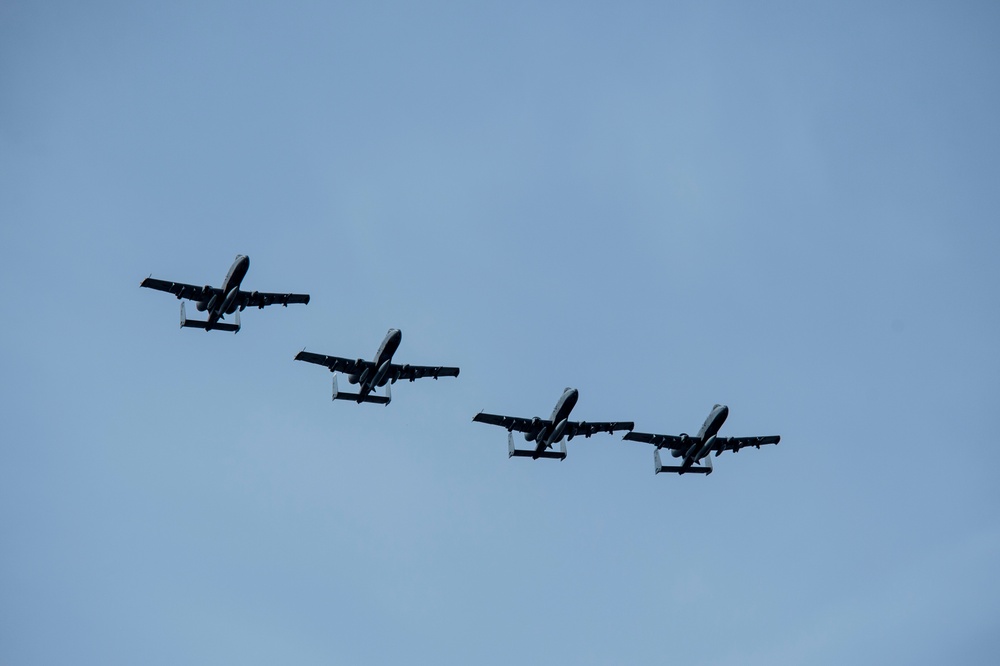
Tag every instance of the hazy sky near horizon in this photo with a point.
(790, 209)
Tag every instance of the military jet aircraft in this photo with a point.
(547, 432)
(224, 300)
(377, 373)
(695, 449)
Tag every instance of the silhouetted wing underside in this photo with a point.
(588, 428)
(737, 443)
(181, 290)
(413, 372)
(659, 441)
(259, 299)
(511, 422)
(335, 363)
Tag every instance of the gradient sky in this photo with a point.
(789, 208)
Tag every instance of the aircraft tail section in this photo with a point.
(356, 397)
(705, 468)
(217, 326)
(513, 452)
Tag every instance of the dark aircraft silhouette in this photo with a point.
(224, 300)
(377, 373)
(547, 432)
(694, 449)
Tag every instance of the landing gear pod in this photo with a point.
(380, 373)
(557, 433)
(229, 303)
(706, 448)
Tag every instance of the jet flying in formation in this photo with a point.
(547, 432)
(229, 299)
(376, 373)
(695, 449)
(221, 301)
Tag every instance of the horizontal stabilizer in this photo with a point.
(679, 469)
(356, 397)
(217, 326)
(532, 453)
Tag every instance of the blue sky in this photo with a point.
(790, 209)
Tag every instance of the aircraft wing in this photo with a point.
(737, 443)
(588, 428)
(335, 363)
(413, 372)
(511, 422)
(258, 299)
(181, 290)
(659, 441)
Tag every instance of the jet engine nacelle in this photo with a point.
(353, 379)
(533, 430)
(253, 297)
(682, 448)
(363, 377)
(210, 305)
(229, 304)
(201, 306)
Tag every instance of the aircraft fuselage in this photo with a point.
(714, 422)
(565, 405)
(224, 303)
(546, 436)
(389, 346)
(382, 361)
(698, 448)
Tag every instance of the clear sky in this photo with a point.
(789, 208)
